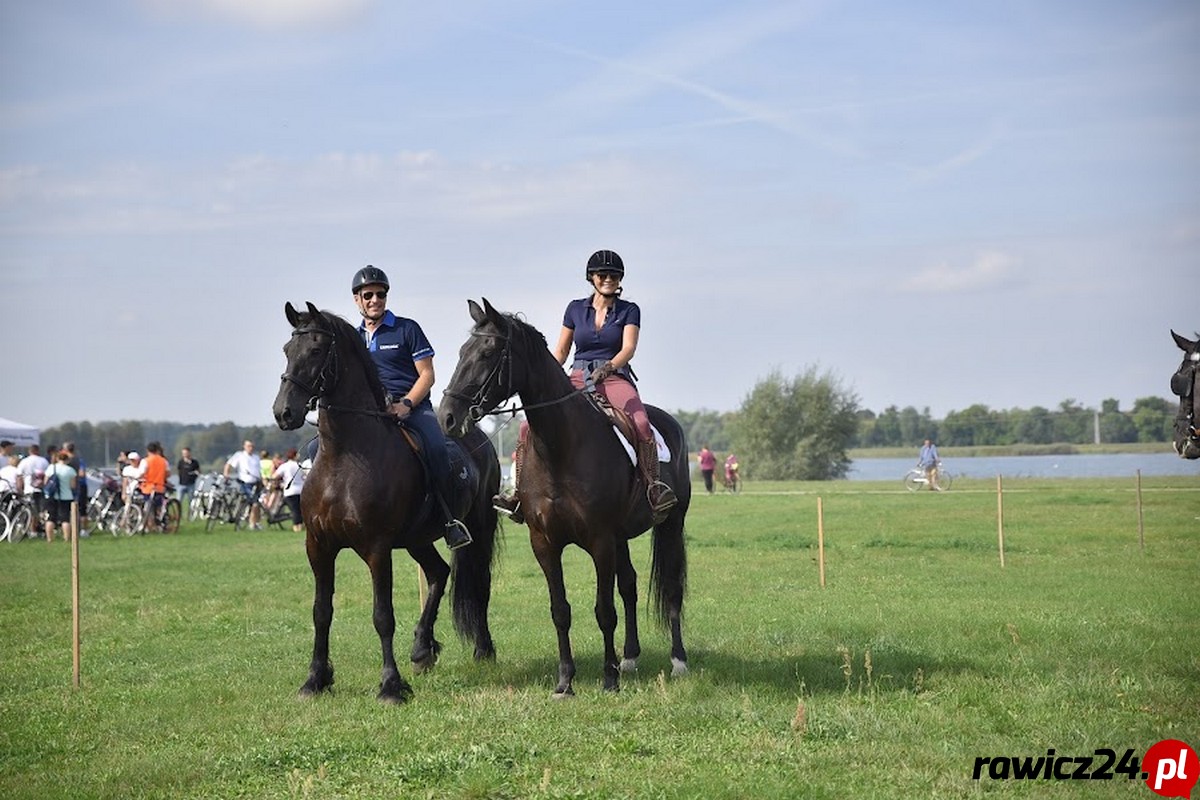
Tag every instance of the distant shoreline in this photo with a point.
(1061, 449)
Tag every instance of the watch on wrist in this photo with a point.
(404, 401)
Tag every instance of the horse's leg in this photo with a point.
(627, 586)
(606, 610)
(392, 687)
(320, 670)
(425, 647)
(550, 558)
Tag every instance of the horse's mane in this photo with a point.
(347, 332)
(526, 330)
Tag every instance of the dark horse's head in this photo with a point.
(1183, 383)
(320, 351)
(487, 374)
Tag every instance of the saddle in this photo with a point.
(464, 475)
(626, 431)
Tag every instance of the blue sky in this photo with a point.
(940, 203)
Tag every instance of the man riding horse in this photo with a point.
(404, 358)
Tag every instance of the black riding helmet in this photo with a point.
(604, 261)
(367, 276)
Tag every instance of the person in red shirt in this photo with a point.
(155, 469)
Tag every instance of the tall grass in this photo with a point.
(920, 655)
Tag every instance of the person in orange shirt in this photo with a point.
(153, 485)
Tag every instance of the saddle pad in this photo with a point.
(664, 452)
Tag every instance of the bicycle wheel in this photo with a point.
(171, 514)
(5, 527)
(944, 479)
(22, 522)
(129, 520)
(914, 480)
(216, 513)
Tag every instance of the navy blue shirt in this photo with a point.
(603, 344)
(397, 345)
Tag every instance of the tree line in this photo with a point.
(787, 428)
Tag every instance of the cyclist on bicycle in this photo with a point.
(928, 461)
(153, 485)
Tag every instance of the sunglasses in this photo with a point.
(608, 276)
(381, 294)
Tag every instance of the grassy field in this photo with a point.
(920, 655)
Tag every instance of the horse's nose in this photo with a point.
(283, 418)
(448, 423)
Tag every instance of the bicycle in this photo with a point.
(915, 480)
(732, 481)
(166, 517)
(19, 512)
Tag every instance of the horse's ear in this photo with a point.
(293, 317)
(492, 313)
(477, 313)
(315, 312)
(1184, 344)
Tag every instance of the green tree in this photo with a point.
(1115, 425)
(796, 429)
(1154, 419)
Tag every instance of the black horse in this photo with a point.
(577, 485)
(367, 492)
(1184, 383)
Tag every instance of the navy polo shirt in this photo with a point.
(603, 344)
(397, 345)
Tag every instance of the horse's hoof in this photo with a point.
(678, 668)
(629, 665)
(563, 694)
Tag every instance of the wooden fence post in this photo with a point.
(1000, 515)
(75, 655)
(821, 540)
(1141, 522)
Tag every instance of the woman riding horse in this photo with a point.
(604, 330)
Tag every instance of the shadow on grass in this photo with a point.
(891, 670)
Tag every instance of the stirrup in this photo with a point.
(509, 506)
(666, 498)
(457, 535)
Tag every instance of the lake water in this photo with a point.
(1116, 465)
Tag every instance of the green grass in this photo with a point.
(919, 655)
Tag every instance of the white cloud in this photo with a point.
(989, 269)
(268, 14)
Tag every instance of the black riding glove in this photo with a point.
(605, 370)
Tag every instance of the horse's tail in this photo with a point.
(668, 570)
(668, 559)
(471, 588)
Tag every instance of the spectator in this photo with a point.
(10, 479)
(6, 450)
(249, 475)
(81, 490)
(131, 474)
(32, 470)
(708, 464)
(188, 469)
(58, 504)
(289, 475)
(155, 471)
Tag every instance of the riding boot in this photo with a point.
(456, 533)
(510, 504)
(660, 496)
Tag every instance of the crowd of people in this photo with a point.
(50, 483)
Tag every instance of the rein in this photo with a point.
(501, 371)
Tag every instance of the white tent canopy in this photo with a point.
(19, 434)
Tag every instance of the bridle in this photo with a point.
(501, 375)
(326, 380)
(1187, 398)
